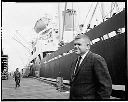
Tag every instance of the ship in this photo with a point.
(107, 39)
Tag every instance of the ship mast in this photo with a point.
(88, 26)
(102, 11)
(61, 33)
(64, 20)
(59, 20)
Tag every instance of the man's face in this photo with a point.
(17, 69)
(81, 46)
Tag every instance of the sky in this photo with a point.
(18, 21)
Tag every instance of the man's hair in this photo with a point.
(79, 36)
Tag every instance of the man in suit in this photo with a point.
(90, 78)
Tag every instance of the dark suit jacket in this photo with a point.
(92, 79)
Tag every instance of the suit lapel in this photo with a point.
(83, 62)
(73, 68)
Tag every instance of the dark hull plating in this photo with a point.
(113, 50)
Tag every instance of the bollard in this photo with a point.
(59, 83)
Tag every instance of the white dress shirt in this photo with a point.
(83, 56)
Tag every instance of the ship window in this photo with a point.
(102, 38)
(105, 36)
(55, 57)
(64, 54)
(95, 40)
(112, 34)
(123, 30)
(120, 31)
(71, 51)
(60, 56)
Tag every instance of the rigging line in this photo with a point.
(93, 14)
(59, 17)
(64, 20)
(73, 18)
(88, 13)
(112, 8)
(109, 12)
(19, 40)
(117, 7)
(19, 56)
(20, 43)
(16, 37)
(21, 36)
(78, 16)
(102, 11)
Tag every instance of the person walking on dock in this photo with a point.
(17, 77)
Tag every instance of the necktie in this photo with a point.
(77, 64)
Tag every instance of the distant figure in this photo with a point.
(17, 77)
(90, 77)
(59, 82)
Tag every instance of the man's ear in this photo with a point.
(88, 46)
